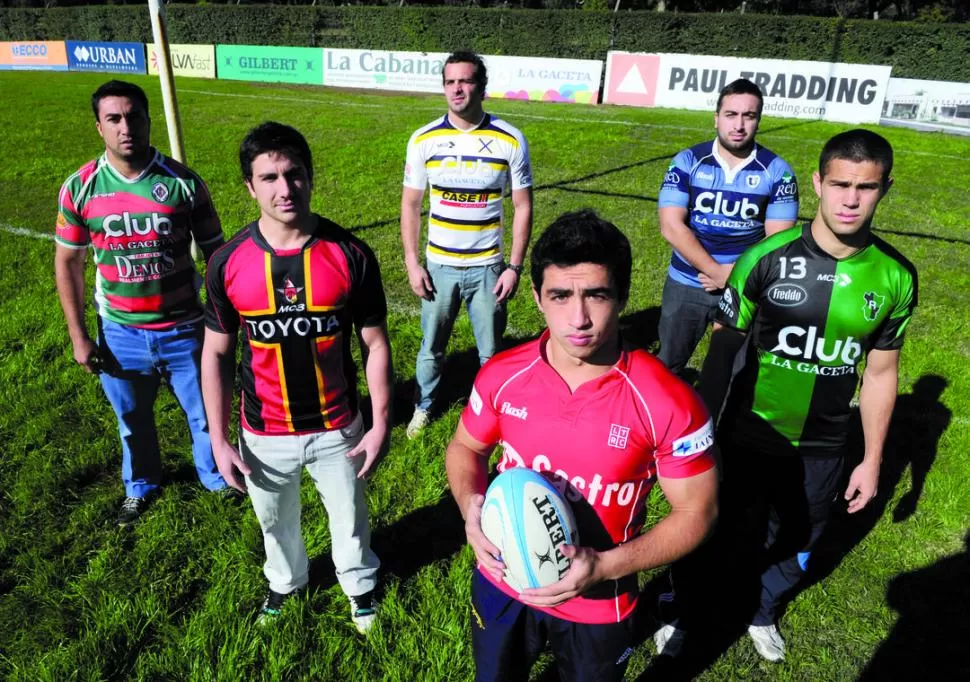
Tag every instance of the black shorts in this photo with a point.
(508, 636)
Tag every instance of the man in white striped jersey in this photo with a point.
(467, 157)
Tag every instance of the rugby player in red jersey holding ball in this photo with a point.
(604, 423)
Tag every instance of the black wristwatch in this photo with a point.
(517, 269)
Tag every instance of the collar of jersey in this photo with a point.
(261, 242)
(813, 245)
(468, 131)
(130, 181)
(618, 369)
(730, 173)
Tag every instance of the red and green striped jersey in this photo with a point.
(296, 310)
(811, 319)
(140, 230)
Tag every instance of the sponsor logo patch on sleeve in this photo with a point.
(475, 401)
(696, 442)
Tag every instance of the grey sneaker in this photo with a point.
(768, 641)
(131, 510)
(418, 421)
(363, 611)
(669, 640)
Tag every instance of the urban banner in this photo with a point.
(270, 64)
(853, 93)
(196, 61)
(33, 55)
(544, 80)
(83, 55)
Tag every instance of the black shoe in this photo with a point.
(131, 510)
(363, 611)
(231, 494)
(272, 606)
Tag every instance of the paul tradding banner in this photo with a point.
(852, 93)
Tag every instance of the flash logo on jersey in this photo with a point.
(873, 302)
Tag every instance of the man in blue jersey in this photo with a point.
(717, 199)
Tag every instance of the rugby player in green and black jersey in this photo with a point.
(815, 302)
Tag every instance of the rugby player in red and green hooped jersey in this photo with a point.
(138, 210)
(814, 302)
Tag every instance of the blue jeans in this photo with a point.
(134, 363)
(473, 285)
(685, 314)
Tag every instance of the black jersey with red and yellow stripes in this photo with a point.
(812, 319)
(296, 310)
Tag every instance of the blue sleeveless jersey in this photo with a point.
(727, 207)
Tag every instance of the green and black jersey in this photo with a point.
(811, 319)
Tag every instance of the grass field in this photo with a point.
(175, 597)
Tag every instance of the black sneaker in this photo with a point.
(131, 510)
(363, 611)
(272, 606)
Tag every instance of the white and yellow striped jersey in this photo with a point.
(467, 171)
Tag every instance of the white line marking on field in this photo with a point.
(538, 117)
(25, 232)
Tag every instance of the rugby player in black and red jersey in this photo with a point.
(296, 285)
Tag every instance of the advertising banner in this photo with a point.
(852, 93)
(33, 55)
(85, 55)
(544, 79)
(940, 102)
(384, 70)
(270, 64)
(197, 61)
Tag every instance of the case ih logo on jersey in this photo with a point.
(787, 295)
(873, 302)
(847, 350)
(618, 436)
(290, 292)
(717, 202)
(160, 191)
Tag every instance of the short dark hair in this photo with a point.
(118, 89)
(276, 138)
(583, 237)
(468, 57)
(858, 145)
(741, 86)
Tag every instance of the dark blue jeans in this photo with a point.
(685, 314)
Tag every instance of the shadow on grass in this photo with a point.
(928, 640)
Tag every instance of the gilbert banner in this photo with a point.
(852, 93)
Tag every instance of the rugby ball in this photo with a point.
(529, 521)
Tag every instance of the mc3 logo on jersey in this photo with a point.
(872, 305)
(847, 350)
(716, 202)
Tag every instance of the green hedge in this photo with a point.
(937, 51)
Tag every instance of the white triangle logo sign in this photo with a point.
(632, 83)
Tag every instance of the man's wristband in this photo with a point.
(517, 269)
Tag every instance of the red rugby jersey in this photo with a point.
(602, 446)
(296, 309)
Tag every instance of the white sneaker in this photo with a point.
(418, 421)
(669, 640)
(768, 641)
